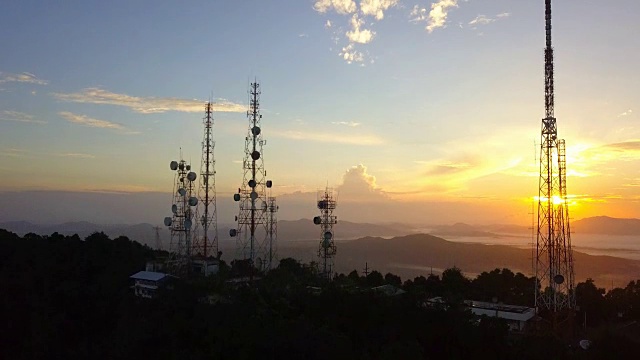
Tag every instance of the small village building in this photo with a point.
(147, 283)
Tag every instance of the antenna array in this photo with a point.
(254, 240)
(327, 249)
(181, 222)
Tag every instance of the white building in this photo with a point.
(147, 283)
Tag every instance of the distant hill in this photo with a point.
(461, 229)
(418, 254)
(607, 226)
(305, 229)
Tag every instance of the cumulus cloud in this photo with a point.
(438, 14)
(350, 55)
(358, 35)
(628, 112)
(376, 8)
(358, 184)
(145, 105)
(90, 122)
(17, 116)
(340, 6)
(24, 77)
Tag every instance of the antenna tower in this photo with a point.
(180, 222)
(327, 249)
(206, 245)
(272, 227)
(554, 256)
(253, 239)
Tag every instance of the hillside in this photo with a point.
(607, 226)
(413, 255)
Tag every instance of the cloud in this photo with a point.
(356, 35)
(303, 35)
(503, 15)
(340, 6)
(350, 55)
(145, 105)
(346, 123)
(327, 24)
(376, 8)
(449, 167)
(358, 184)
(628, 112)
(16, 116)
(364, 140)
(481, 20)
(77, 155)
(24, 77)
(626, 146)
(90, 122)
(438, 14)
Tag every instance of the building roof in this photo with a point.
(148, 275)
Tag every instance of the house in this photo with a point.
(147, 283)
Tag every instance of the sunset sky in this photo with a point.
(421, 106)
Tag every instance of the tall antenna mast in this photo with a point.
(180, 223)
(554, 256)
(253, 241)
(207, 243)
(327, 249)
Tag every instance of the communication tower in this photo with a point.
(554, 256)
(327, 249)
(181, 222)
(206, 244)
(253, 241)
(272, 227)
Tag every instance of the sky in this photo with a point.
(421, 111)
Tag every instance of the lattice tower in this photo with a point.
(327, 247)
(554, 257)
(252, 235)
(180, 223)
(206, 228)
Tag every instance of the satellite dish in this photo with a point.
(252, 183)
(255, 130)
(254, 195)
(236, 197)
(328, 235)
(326, 243)
(322, 204)
(558, 279)
(191, 176)
(173, 165)
(269, 183)
(233, 232)
(167, 221)
(585, 344)
(182, 191)
(193, 201)
(188, 167)
(181, 166)
(174, 208)
(187, 224)
(317, 220)
(255, 155)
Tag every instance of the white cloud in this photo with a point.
(340, 6)
(438, 14)
(16, 116)
(356, 35)
(146, 105)
(376, 8)
(24, 77)
(481, 20)
(503, 15)
(347, 123)
(303, 35)
(90, 122)
(329, 137)
(418, 14)
(628, 112)
(350, 55)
